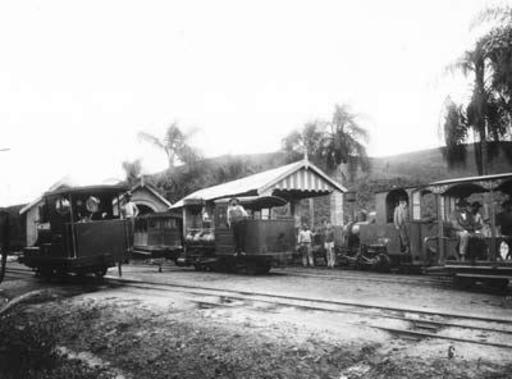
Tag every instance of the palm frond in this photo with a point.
(497, 14)
(147, 137)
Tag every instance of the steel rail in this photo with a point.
(323, 301)
(318, 308)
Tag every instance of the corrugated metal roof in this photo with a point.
(297, 176)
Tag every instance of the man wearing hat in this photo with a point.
(462, 223)
(236, 214)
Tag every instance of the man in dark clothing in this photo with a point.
(236, 214)
(504, 219)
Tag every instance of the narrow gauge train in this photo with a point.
(80, 231)
(375, 244)
(433, 243)
(209, 242)
(158, 235)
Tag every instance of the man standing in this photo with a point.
(400, 218)
(329, 244)
(461, 221)
(304, 240)
(130, 211)
(236, 215)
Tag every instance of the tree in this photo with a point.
(455, 132)
(133, 171)
(308, 141)
(174, 144)
(331, 143)
(344, 142)
(489, 109)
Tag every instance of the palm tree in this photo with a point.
(455, 132)
(133, 171)
(306, 142)
(174, 144)
(330, 144)
(345, 142)
(488, 112)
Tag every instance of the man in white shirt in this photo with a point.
(304, 240)
(130, 211)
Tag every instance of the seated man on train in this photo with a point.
(461, 221)
(504, 219)
(480, 226)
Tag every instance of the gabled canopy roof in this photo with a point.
(300, 179)
(463, 187)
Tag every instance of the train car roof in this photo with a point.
(104, 188)
(257, 202)
(389, 189)
(473, 179)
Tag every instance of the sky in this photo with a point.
(79, 80)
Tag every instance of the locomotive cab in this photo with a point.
(382, 239)
(80, 231)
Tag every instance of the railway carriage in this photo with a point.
(80, 231)
(158, 235)
(488, 257)
(433, 244)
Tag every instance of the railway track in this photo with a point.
(15, 273)
(346, 275)
(416, 323)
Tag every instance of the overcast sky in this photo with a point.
(78, 80)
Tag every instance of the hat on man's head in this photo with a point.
(461, 203)
(234, 199)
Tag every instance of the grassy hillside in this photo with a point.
(429, 165)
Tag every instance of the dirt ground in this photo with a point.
(96, 331)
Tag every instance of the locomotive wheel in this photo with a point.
(384, 263)
(497, 284)
(461, 282)
(101, 272)
(263, 269)
(46, 274)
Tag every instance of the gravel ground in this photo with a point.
(101, 332)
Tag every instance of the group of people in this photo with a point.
(467, 222)
(305, 241)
